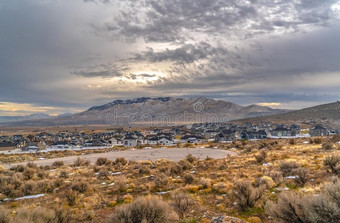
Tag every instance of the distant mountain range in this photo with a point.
(158, 111)
(23, 118)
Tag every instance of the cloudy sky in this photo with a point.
(61, 56)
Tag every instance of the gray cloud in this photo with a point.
(187, 53)
(169, 20)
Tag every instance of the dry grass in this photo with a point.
(92, 192)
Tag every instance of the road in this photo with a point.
(174, 154)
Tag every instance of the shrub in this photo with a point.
(4, 215)
(148, 210)
(143, 170)
(276, 176)
(287, 167)
(18, 168)
(317, 140)
(301, 176)
(103, 161)
(322, 208)
(292, 141)
(28, 173)
(289, 208)
(185, 165)
(190, 158)
(31, 165)
(267, 181)
(161, 180)
(63, 174)
(246, 194)
(175, 169)
(205, 183)
(261, 157)
(103, 173)
(327, 145)
(182, 204)
(333, 162)
(81, 187)
(42, 215)
(188, 178)
(121, 184)
(58, 163)
(81, 162)
(71, 197)
(38, 215)
(29, 188)
(122, 161)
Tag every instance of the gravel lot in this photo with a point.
(174, 154)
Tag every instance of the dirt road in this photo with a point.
(174, 154)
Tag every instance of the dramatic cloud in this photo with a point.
(71, 55)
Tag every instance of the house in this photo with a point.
(115, 142)
(192, 139)
(282, 131)
(130, 141)
(225, 136)
(30, 148)
(210, 134)
(166, 141)
(60, 145)
(318, 130)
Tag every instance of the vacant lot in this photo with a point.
(174, 154)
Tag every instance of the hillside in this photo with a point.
(158, 111)
(330, 112)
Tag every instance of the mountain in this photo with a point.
(158, 111)
(34, 116)
(330, 112)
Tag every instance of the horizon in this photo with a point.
(283, 55)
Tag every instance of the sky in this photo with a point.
(61, 56)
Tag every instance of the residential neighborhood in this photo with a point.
(186, 134)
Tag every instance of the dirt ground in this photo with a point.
(174, 154)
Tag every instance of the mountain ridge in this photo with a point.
(146, 110)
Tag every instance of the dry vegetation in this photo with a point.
(270, 181)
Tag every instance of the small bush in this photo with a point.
(190, 158)
(246, 194)
(4, 215)
(71, 197)
(188, 178)
(321, 208)
(333, 163)
(28, 173)
(261, 157)
(81, 162)
(161, 180)
(277, 177)
(205, 183)
(287, 168)
(185, 165)
(289, 208)
(327, 145)
(182, 204)
(301, 176)
(81, 187)
(175, 169)
(121, 161)
(103, 161)
(148, 210)
(58, 163)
